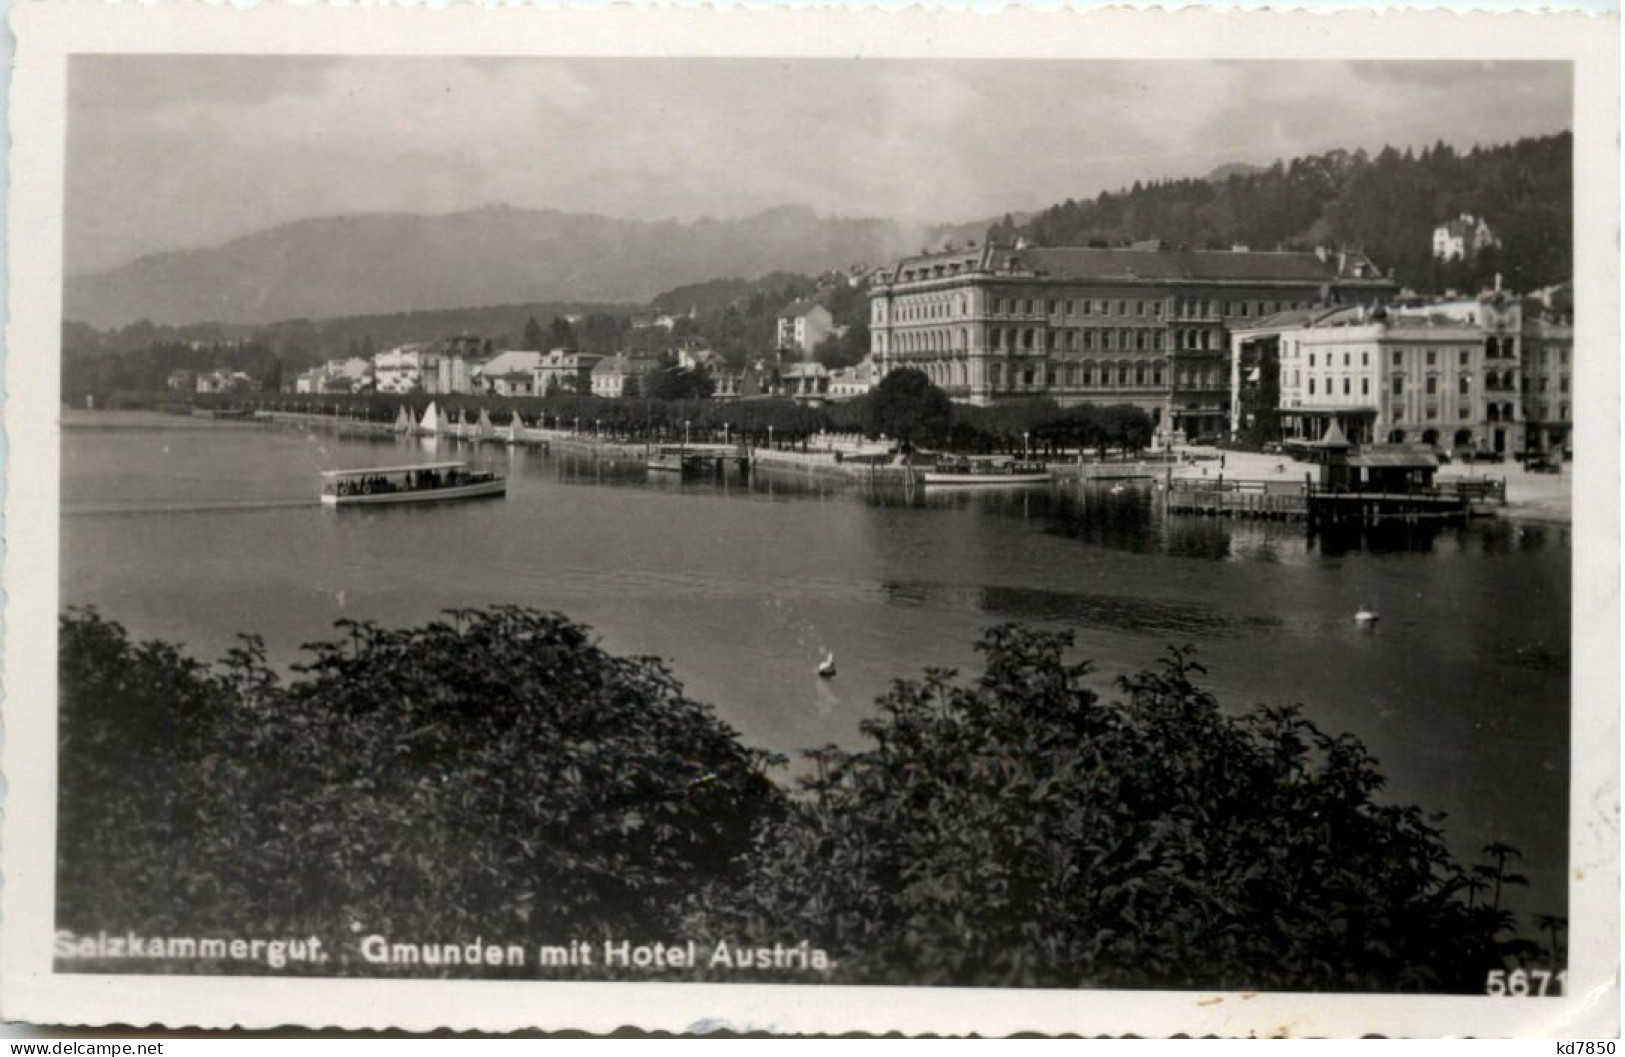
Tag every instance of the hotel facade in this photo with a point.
(1463, 376)
(1146, 326)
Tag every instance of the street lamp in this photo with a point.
(578, 424)
(595, 428)
(770, 437)
(685, 432)
(725, 433)
(1025, 451)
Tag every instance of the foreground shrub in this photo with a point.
(1018, 830)
(496, 775)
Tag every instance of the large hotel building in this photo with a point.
(1146, 325)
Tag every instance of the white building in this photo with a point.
(803, 325)
(1463, 237)
(848, 382)
(512, 373)
(406, 369)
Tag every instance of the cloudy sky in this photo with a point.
(169, 152)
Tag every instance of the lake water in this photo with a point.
(192, 531)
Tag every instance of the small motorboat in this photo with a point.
(826, 668)
(1366, 617)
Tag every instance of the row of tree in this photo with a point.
(497, 774)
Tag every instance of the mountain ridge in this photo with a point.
(389, 262)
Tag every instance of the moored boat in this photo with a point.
(951, 470)
(420, 483)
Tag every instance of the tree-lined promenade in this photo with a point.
(905, 407)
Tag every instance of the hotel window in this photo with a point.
(1105, 308)
(1156, 376)
(1399, 357)
(1345, 359)
(1465, 385)
(1365, 359)
(1140, 309)
(1562, 385)
(1106, 339)
(1054, 307)
(1365, 387)
(1464, 357)
(1156, 339)
(1433, 385)
(1139, 340)
(1071, 307)
(1088, 339)
(1088, 306)
(1433, 413)
(1156, 309)
(1311, 385)
(1139, 375)
(1430, 357)
(1399, 386)
(1311, 359)
(1122, 308)
(1345, 387)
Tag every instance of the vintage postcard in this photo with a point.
(812, 521)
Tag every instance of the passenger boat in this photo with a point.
(950, 470)
(430, 482)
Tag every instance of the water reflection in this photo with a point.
(1142, 616)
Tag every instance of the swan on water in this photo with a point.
(826, 668)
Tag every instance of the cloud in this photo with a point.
(171, 151)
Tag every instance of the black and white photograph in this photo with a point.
(967, 524)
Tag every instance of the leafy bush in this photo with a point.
(495, 775)
(1018, 830)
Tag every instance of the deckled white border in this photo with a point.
(46, 32)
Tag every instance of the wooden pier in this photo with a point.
(1320, 507)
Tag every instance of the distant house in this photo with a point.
(183, 380)
(406, 369)
(512, 373)
(455, 369)
(803, 325)
(352, 375)
(226, 381)
(564, 371)
(1462, 238)
(621, 375)
(806, 382)
(848, 382)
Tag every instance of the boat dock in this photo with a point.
(1306, 501)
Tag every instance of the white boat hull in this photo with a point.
(986, 480)
(422, 495)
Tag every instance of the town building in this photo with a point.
(511, 373)
(349, 375)
(407, 369)
(848, 382)
(226, 380)
(1443, 374)
(1548, 398)
(622, 375)
(1462, 238)
(564, 371)
(454, 371)
(183, 380)
(806, 382)
(803, 324)
(1145, 326)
